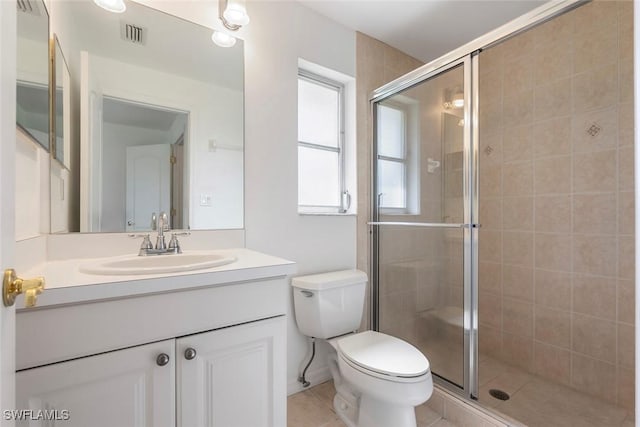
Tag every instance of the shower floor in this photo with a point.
(533, 401)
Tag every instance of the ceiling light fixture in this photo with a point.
(453, 99)
(458, 100)
(115, 6)
(233, 15)
(223, 39)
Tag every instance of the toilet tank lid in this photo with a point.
(334, 279)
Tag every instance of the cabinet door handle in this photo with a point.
(162, 359)
(190, 353)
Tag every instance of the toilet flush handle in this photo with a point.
(307, 294)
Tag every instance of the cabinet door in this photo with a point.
(121, 388)
(237, 377)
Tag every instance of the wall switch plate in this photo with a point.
(206, 199)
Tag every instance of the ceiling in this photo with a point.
(171, 44)
(139, 115)
(424, 29)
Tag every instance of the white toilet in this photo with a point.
(379, 379)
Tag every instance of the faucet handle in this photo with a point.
(146, 243)
(174, 243)
(146, 240)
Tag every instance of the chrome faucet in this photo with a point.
(161, 224)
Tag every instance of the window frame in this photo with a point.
(404, 160)
(343, 195)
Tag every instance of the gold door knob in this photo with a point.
(12, 286)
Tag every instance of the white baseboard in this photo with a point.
(315, 377)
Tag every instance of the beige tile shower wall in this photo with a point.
(556, 201)
(376, 64)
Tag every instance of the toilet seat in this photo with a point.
(383, 356)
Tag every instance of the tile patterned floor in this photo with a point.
(314, 408)
(534, 401)
(538, 402)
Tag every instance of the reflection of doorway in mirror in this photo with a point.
(148, 184)
(177, 184)
(141, 147)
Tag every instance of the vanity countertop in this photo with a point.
(65, 284)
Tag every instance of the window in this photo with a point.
(321, 134)
(392, 158)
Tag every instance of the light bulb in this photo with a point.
(458, 100)
(236, 13)
(115, 6)
(223, 39)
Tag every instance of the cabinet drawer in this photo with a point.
(45, 336)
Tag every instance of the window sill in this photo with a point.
(327, 214)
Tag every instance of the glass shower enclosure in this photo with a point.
(424, 219)
(502, 232)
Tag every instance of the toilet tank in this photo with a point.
(329, 304)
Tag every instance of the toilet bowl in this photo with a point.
(379, 379)
(389, 376)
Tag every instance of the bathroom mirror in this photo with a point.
(160, 113)
(62, 101)
(32, 57)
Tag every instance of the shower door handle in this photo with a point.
(422, 224)
(427, 224)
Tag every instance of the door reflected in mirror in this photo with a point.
(143, 154)
(160, 115)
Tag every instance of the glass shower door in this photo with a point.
(422, 219)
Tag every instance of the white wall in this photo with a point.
(280, 33)
(32, 187)
(33, 65)
(60, 198)
(32, 161)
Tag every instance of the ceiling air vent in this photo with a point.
(28, 6)
(133, 33)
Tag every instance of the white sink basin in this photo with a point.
(156, 264)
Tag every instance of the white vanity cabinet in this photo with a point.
(120, 388)
(226, 378)
(98, 359)
(222, 378)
